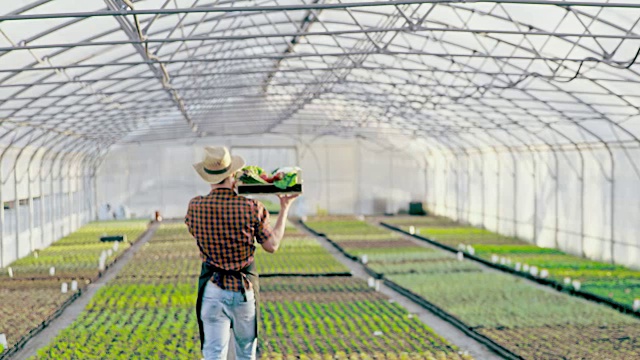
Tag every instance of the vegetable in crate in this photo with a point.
(252, 175)
(281, 178)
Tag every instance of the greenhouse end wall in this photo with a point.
(340, 176)
(584, 202)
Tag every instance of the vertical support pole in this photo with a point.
(469, 177)
(69, 200)
(456, 189)
(2, 249)
(498, 178)
(52, 204)
(30, 204)
(535, 198)
(612, 183)
(42, 209)
(94, 190)
(582, 210)
(445, 170)
(16, 209)
(62, 207)
(515, 195)
(483, 194)
(79, 199)
(557, 202)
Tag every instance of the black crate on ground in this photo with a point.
(111, 238)
(416, 208)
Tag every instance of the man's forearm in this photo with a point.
(281, 223)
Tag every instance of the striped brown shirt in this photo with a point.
(225, 225)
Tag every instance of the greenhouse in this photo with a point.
(436, 179)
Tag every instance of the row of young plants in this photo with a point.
(35, 289)
(146, 312)
(318, 316)
(614, 282)
(488, 302)
(304, 317)
(77, 255)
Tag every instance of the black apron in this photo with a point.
(205, 275)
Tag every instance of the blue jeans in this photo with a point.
(220, 310)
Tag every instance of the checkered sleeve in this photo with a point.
(188, 219)
(263, 231)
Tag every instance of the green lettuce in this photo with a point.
(289, 180)
(251, 175)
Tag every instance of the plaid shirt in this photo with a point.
(225, 225)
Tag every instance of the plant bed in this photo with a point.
(460, 292)
(613, 285)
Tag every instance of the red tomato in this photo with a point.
(278, 176)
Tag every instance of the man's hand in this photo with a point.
(287, 200)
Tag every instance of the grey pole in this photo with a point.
(2, 249)
(16, 209)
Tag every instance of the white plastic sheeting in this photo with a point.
(54, 193)
(585, 204)
(340, 176)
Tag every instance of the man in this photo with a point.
(225, 226)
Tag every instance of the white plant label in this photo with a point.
(518, 266)
(567, 280)
(101, 264)
(461, 247)
(533, 270)
(412, 230)
(544, 273)
(525, 267)
(116, 246)
(460, 256)
(576, 284)
(503, 261)
(494, 258)
(377, 286)
(10, 271)
(365, 259)
(471, 250)
(109, 253)
(636, 304)
(74, 285)
(371, 282)
(64, 288)
(3, 341)
(52, 271)
(377, 333)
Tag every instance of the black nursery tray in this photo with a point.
(109, 238)
(260, 189)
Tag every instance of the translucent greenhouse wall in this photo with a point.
(586, 203)
(340, 176)
(45, 195)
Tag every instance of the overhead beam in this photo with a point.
(304, 7)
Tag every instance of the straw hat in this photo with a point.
(218, 164)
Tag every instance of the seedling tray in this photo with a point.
(267, 189)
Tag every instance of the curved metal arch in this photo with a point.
(383, 15)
